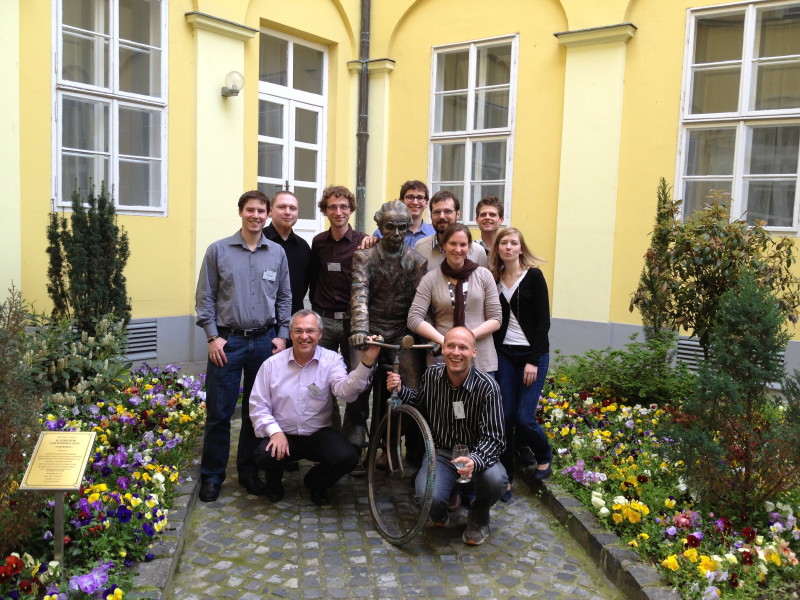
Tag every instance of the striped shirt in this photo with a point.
(482, 429)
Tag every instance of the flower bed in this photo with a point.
(143, 435)
(609, 456)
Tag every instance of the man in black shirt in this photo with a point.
(298, 252)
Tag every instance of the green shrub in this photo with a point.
(639, 373)
(19, 426)
(740, 441)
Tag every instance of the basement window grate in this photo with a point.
(142, 339)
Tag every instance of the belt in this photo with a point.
(255, 332)
(329, 314)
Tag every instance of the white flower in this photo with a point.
(598, 502)
(620, 500)
(604, 512)
(769, 506)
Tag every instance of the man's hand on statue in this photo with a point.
(371, 353)
(368, 242)
(393, 381)
(278, 445)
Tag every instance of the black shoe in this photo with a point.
(542, 474)
(275, 491)
(291, 466)
(209, 491)
(253, 484)
(320, 497)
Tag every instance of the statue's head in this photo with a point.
(393, 220)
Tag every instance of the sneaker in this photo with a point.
(442, 523)
(475, 535)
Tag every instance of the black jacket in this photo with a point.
(531, 306)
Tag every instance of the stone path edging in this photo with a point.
(634, 578)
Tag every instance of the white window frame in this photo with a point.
(741, 120)
(115, 98)
(471, 134)
(291, 98)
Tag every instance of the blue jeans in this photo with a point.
(245, 355)
(520, 403)
(489, 484)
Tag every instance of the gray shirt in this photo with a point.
(241, 289)
(429, 248)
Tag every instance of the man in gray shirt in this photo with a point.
(243, 304)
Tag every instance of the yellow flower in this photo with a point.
(669, 503)
(774, 557)
(118, 593)
(707, 564)
(617, 518)
(691, 554)
(671, 563)
(93, 497)
(644, 536)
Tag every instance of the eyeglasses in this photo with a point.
(443, 211)
(299, 331)
(411, 198)
(337, 207)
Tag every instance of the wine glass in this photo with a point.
(460, 450)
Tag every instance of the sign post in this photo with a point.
(57, 465)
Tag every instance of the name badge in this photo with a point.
(334, 267)
(458, 410)
(270, 275)
(314, 389)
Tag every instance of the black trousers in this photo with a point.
(334, 455)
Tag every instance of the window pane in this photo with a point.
(710, 152)
(84, 124)
(770, 201)
(81, 171)
(779, 31)
(715, 91)
(270, 189)
(696, 193)
(489, 160)
(139, 132)
(140, 71)
(85, 59)
(270, 160)
(305, 164)
(91, 15)
(139, 183)
(718, 38)
(452, 71)
(451, 113)
(479, 190)
(140, 21)
(455, 189)
(273, 58)
(306, 202)
(778, 86)
(270, 119)
(448, 162)
(305, 126)
(491, 109)
(307, 71)
(494, 65)
(773, 150)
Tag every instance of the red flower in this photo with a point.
(25, 586)
(692, 541)
(15, 564)
(749, 534)
(642, 478)
(5, 574)
(747, 557)
(733, 580)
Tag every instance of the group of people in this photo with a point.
(485, 302)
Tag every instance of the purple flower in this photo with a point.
(91, 581)
(149, 556)
(123, 483)
(120, 457)
(124, 514)
(670, 533)
(172, 369)
(94, 409)
(135, 400)
(148, 529)
(48, 535)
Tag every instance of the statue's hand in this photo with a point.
(358, 340)
(395, 401)
(436, 350)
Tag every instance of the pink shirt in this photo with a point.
(299, 400)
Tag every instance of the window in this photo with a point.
(472, 120)
(741, 114)
(111, 101)
(291, 118)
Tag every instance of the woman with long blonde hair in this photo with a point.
(522, 350)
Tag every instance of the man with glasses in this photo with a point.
(331, 272)
(243, 304)
(445, 210)
(291, 407)
(414, 195)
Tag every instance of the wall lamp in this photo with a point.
(234, 82)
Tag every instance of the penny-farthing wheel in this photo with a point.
(399, 511)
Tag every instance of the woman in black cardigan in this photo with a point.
(523, 351)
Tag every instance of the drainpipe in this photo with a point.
(363, 117)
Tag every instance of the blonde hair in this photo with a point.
(527, 259)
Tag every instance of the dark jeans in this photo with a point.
(333, 453)
(489, 484)
(520, 403)
(245, 355)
